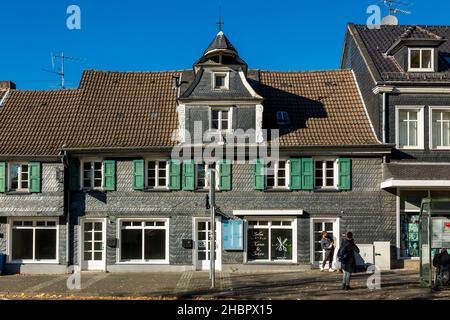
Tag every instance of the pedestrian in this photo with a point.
(327, 244)
(346, 256)
(441, 261)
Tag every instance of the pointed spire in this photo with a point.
(221, 43)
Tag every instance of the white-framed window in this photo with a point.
(157, 174)
(220, 119)
(144, 240)
(201, 175)
(92, 174)
(271, 240)
(278, 174)
(410, 127)
(325, 173)
(19, 174)
(221, 80)
(34, 240)
(440, 128)
(421, 59)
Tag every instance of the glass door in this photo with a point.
(93, 245)
(203, 245)
(330, 226)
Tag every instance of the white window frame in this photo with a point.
(92, 174)
(34, 227)
(166, 226)
(19, 180)
(206, 187)
(166, 186)
(226, 86)
(421, 55)
(433, 108)
(420, 127)
(275, 175)
(292, 227)
(230, 118)
(335, 173)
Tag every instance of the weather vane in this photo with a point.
(220, 23)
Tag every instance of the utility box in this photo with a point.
(382, 254)
(365, 258)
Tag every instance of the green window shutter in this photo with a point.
(138, 174)
(259, 178)
(174, 174)
(224, 175)
(74, 175)
(295, 174)
(2, 177)
(35, 177)
(307, 170)
(189, 175)
(109, 175)
(345, 173)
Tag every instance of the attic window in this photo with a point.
(220, 81)
(282, 118)
(421, 60)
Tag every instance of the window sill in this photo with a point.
(271, 263)
(18, 193)
(33, 262)
(277, 190)
(156, 262)
(157, 190)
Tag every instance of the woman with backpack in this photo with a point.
(346, 256)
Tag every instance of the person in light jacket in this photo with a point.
(346, 255)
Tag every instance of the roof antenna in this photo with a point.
(390, 4)
(220, 23)
(61, 73)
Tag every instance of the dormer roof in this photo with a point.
(416, 36)
(220, 44)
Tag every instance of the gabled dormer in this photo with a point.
(416, 50)
(218, 94)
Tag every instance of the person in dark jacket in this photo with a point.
(441, 262)
(346, 255)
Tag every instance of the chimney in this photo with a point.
(7, 85)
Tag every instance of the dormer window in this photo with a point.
(220, 119)
(220, 81)
(282, 118)
(421, 60)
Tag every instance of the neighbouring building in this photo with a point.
(88, 177)
(404, 76)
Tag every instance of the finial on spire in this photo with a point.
(220, 23)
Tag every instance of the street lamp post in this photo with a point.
(212, 203)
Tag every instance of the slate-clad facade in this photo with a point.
(403, 73)
(114, 197)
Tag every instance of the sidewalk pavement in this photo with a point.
(304, 285)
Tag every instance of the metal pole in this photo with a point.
(212, 189)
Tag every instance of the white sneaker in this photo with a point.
(321, 269)
(331, 270)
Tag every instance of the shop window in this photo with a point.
(270, 241)
(34, 241)
(144, 241)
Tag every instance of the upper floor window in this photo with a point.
(277, 175)
(282, 118)
(410, 128)
(220, 119)
(201, 174)
(157, 174)
(18, 176)
(220, 81)
(92, 174)
(421, 60)
(325, 173)
(440, 128)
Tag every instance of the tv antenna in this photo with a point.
(391, 3)
(61, 71)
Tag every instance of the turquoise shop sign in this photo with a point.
(233, 234)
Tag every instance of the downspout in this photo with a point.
(65, 163)
(383, 119)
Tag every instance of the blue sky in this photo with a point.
(171, 35)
